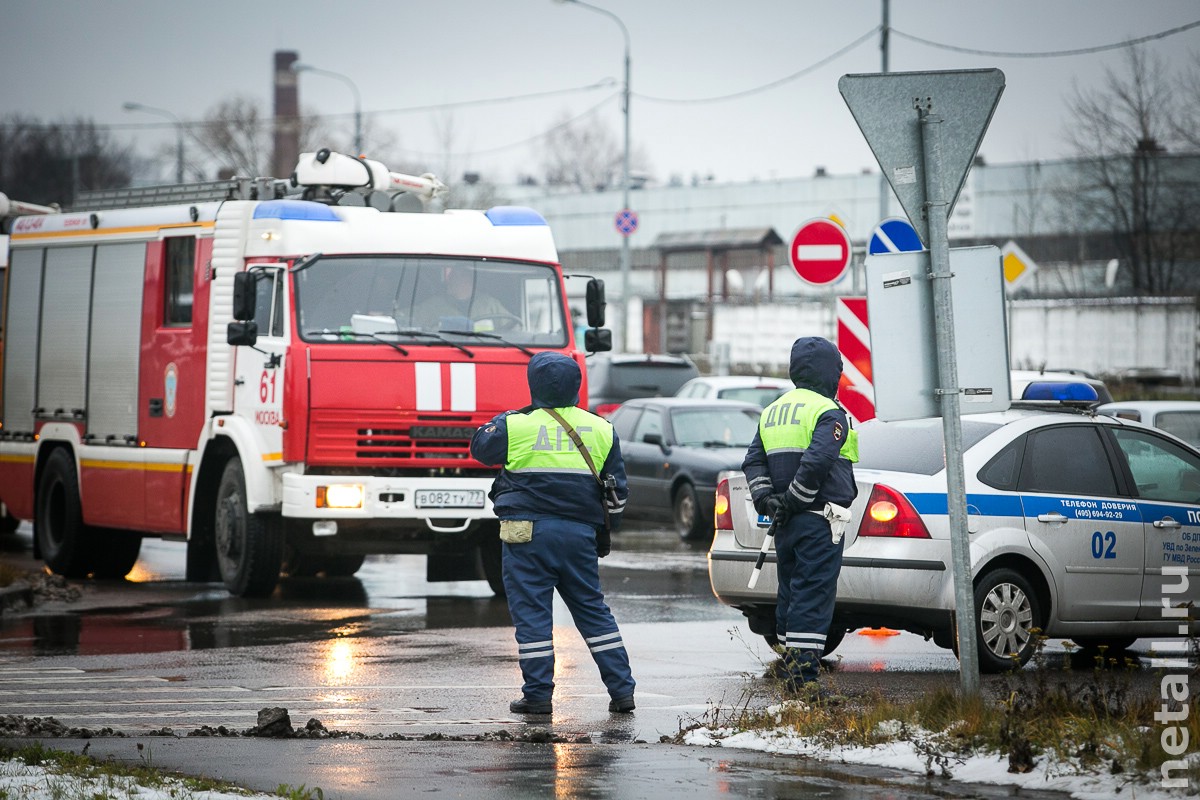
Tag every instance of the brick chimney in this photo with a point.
(287, 115)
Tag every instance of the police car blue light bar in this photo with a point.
(1061, 392)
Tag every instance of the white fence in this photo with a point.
(1100, 336)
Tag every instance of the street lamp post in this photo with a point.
(162, 112)
(624, 168)
(299, 67)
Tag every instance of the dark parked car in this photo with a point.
(613, 379)
(674, 449)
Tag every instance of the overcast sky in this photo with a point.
(65, 58)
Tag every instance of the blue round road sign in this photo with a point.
(894, 235)
(626, 221)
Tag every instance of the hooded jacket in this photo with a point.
(816, 468)
(563, 486)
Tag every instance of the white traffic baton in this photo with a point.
(768, 543)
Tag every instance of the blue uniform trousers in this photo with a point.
(808, 563)
(561, 555)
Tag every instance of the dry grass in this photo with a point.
(1094, 719)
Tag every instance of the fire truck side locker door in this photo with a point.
(20, 373)
(174, 319)
(113, 476)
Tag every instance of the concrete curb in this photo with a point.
(17, 595)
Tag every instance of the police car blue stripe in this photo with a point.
(987, 505)
(1117, 509)
(1114, 509)
(1187, 515)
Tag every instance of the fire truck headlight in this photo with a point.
(340, 495)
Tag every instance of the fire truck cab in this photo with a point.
(284, 374)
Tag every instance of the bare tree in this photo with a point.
(581, 154)
(235, 137)
(1186, 128)
(1146, 197)
(51, 162)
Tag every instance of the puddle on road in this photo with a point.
(301, 610)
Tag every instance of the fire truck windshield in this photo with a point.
(408, 298)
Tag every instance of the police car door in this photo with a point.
(1082, 523)
(1167, 477)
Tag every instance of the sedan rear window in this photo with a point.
(912, 445)
(759, 395)
(642, 378)
(1184, 424)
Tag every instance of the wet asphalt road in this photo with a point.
(388, 653)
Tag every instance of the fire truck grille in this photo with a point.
(425, 440)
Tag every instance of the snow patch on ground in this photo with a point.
(19, 780)
(1047, 774)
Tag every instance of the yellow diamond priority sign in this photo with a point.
(1017, 265)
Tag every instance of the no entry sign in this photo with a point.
(820, 251)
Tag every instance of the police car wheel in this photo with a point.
(1008, 617)
(835, 636)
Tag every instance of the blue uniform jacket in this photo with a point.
(816, 365)
(554, 382)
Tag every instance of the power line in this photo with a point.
(1048, 53)
(929, 43)
(766, 86)
(491, 150)
(194, 124)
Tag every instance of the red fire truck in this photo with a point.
(276, 372)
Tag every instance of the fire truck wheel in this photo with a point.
(249, 546)
(491, 556)
(8, 523)
(64, 541)
(116, 554)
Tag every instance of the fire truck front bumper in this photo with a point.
(451, 502)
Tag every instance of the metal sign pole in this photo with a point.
(937, 211)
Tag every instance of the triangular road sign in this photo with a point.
(885, 106)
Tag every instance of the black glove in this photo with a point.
(769, 505)
(603, 543)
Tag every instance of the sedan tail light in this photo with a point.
(722, 510)
(890, 514)
(604, 409)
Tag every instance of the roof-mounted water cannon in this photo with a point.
(19, 208)
(326, 173)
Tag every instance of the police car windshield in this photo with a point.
(407, 298)
(912, 445)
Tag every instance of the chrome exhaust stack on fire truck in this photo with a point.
(284, 374)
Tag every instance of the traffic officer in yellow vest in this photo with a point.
(553, 515)
(799, 472)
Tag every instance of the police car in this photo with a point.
(1082, 526)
